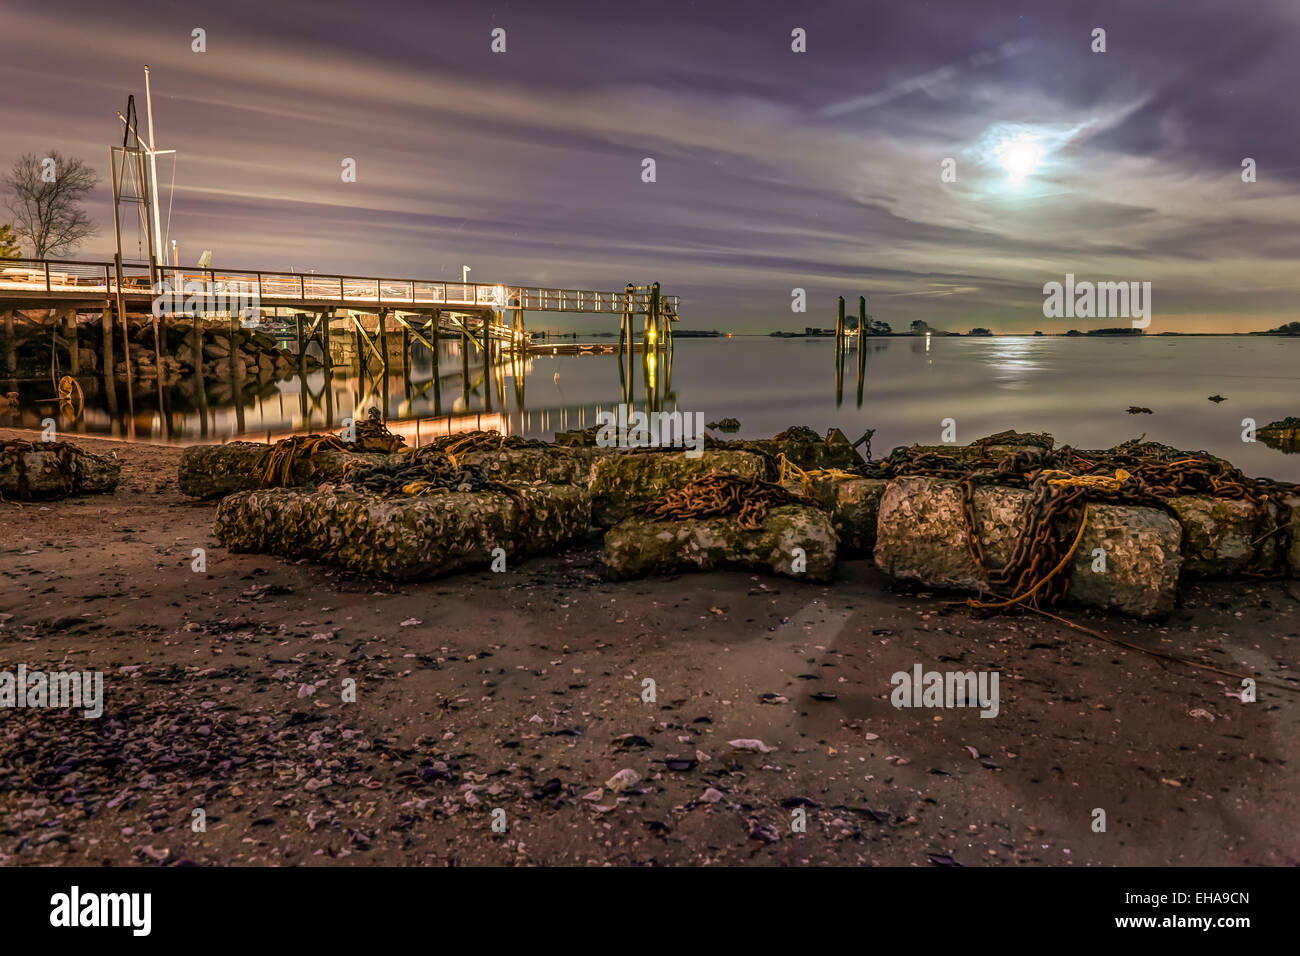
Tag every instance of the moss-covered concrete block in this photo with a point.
(791, 537)
(403, 538)
(621, 481)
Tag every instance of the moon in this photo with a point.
(1019, 156)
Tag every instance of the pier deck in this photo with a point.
(51, 283)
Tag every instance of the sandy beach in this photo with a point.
(523, 691)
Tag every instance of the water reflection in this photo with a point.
(1078, 389)
(464, 388)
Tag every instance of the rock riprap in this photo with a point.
(922, 536)
(621, 482)
(214, 471)
(790, 537)
(400, 537)
(40, 470)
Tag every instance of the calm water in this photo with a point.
(1077, 389)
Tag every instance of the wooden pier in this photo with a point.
(323, 305)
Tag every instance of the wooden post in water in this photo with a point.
(74, 347)
(302, 346)
(326, 320)
(383, 342)
(11, 344)
(839, 324)
(862, 342)
(464, 358)
(106, 348)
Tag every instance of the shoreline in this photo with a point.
(515, 690)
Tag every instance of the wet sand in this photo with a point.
(522, 692)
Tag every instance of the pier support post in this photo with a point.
(326, 320)
(302, 346)
(11, 344)
(383, 339)
(74, 347)
(106, 352)
(862, 342)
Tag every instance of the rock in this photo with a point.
(1143, 559)
(854, 505)
(1219, 536)
(1293, 543)
(44, 470)
(808, 455)
(750, 744)
(620, 481)
(623, 780)
(921, 536)
(639, 546)
(402, 538)
(214, 471)
(552, 465)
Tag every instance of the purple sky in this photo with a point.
(775, 169)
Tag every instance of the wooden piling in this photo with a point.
(11, 344)
(326, 320)
(862, 342)
(74, 346)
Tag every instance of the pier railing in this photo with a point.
(69, 278)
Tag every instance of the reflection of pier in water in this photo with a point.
(367, 333)
(425, 398)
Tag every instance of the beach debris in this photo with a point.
(42, 470)
(403, 537)
(725, 425)
(642, 545)
(750, 744)
(1217, 399)
(623, 780)
(1139, 410)
(763, 831)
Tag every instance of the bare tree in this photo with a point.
(45, 196)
